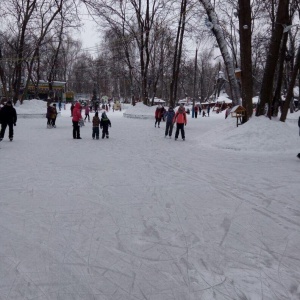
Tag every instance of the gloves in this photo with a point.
(15, 124)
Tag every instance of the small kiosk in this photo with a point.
(238, 112)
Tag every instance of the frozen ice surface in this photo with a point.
(138, 216)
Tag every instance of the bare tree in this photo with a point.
(228, 60)
(265, 97)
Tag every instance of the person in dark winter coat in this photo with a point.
(181, 120)
(53, 115)
(169, 116)
(71, 108)
(196, 111)
(76, 117)
(96, 124)
(163, 111)
(158, 115)
(208, 110)
(48, 115)
(87, 113)
(104, 124)
(8, 117)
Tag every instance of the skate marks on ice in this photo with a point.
(144, 224)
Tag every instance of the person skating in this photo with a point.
(53, 115)
(96, 124)
(208, 110)
(181, 120)
(104, 124)
(163, 111)
(169, 116)
(48, 115)
(75, 120)
(87, 113)
(158, 115)
(71, 108)
(8, 117)
(196, 111)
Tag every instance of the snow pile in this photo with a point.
(140, 111)
(259, 134)
(31, 107)
(223, 98)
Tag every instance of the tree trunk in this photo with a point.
(277, 95)
(228, 61)
(289, 95)
(3, 77)
(265, 96)
(178, 53)
(246, 56)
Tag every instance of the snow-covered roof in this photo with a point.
(296, 91)
(157, 100)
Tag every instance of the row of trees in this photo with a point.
(151, 48)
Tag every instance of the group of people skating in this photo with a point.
(171, 118)
(51, 115)
(103, 123)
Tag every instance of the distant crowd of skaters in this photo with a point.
(78, 121)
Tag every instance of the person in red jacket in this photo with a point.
(158, 115)
(180, 119)
(76, 117)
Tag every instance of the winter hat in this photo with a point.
(103, 115)
(96, 114)
(8, 102)
(181, 109)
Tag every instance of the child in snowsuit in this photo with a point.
(96, 124)
(169, 116)
(181, 120)
(104, 123)
(87, 113)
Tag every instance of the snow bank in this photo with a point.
(259, 134)
(31, 108)
(140, 111)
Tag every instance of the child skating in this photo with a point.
(104, 124)
(96, 124)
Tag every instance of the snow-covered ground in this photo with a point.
(140, 216)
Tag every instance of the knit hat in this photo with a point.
(8, 102)
(103, 115)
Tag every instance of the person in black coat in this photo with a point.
(104, 123)
(8, 116)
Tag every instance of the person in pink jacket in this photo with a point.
(180, 120)
(76, 117)
(87, 113)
